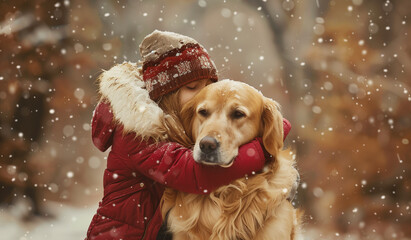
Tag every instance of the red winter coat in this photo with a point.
(137, 171)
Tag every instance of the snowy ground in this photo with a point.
(68, 223)
(71, 222)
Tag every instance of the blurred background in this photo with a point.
(340, 69)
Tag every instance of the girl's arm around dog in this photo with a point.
(169, 163)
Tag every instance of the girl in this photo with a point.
(141, 163)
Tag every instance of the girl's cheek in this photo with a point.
(191, 95)
(185, 96)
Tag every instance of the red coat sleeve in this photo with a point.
(173, 165)
(102, 126)
(170, 163)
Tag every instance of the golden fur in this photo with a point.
(175, 130)
(254, 207)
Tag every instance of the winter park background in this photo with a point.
(341, 70)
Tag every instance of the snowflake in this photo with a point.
(205, 63)
(183, 68)
(162, 78)
(149, 85)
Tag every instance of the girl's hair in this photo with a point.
(172, 121)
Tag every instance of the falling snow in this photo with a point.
(339, 69)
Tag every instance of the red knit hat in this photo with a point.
(171, 60)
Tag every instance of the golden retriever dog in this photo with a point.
(219, 119)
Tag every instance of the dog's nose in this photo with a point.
(208, 144)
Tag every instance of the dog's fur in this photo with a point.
(250, 208)
(254, 207)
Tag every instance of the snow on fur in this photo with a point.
(124, 88)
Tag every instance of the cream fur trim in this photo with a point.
(124, 88)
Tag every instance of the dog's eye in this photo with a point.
(238, 114)
(203, 112)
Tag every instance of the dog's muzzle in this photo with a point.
(209, 147)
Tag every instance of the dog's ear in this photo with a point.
(272, 131)
(187, 116)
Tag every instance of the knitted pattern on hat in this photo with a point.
(171, 60)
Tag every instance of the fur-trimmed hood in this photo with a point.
(124, 89)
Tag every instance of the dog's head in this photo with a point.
(227, 114)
